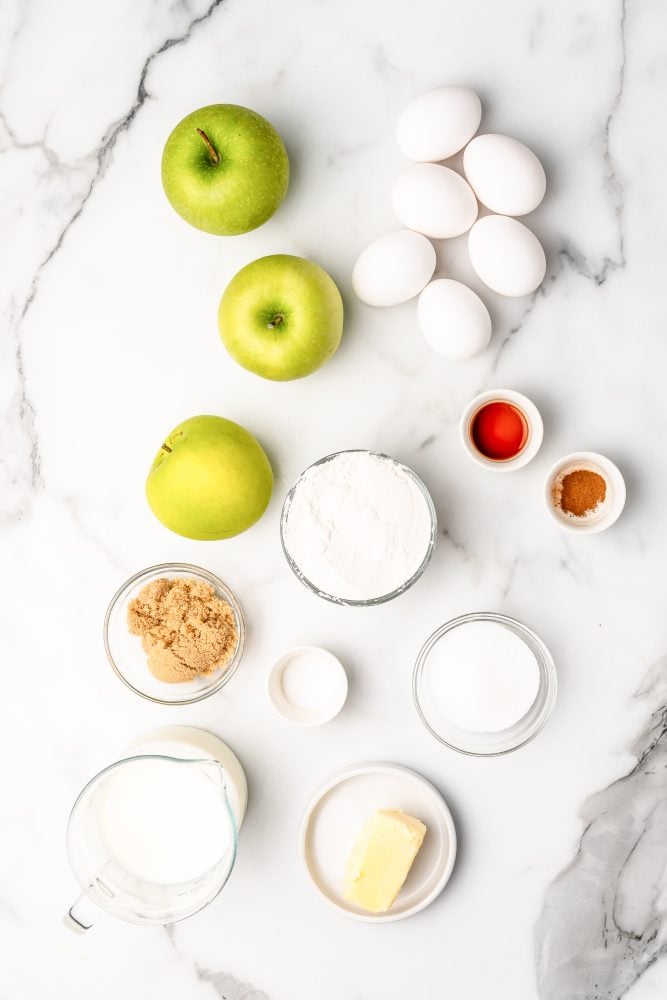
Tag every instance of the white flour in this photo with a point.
(482, 677)
(358, 526)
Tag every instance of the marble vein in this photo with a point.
(568, 253)
(50, 155)
(516, 328)
(102, 155)
(22, 463)
(228, 988)
(604, 920)
(225, 986)
(584, 87)
(614, 182)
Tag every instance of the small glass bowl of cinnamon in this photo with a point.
(584, 492)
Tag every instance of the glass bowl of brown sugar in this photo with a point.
(584, 492)
(174, 633)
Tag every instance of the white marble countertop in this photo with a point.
(109, 339)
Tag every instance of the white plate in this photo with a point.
(334, 819)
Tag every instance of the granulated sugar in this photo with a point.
(482, 677)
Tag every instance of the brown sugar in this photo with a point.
(580, 492)
(186, 629)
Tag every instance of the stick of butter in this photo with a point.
(381, 859)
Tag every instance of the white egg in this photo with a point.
(438, 124)
(453, 319)
(434, 200)
(393, 268)
(506, 255)
(505, 175)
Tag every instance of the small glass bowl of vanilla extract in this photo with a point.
(501, 430)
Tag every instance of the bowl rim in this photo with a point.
(273, 681)
(185, 569)
(533, 419)
(383, 767)
(549, 670)
(371, 602)
(611, 472)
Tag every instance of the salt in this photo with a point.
(308, 685)
(310, 680)
(482, 677)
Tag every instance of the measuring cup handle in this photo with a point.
(81, 915)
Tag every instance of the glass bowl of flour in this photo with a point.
(484, 684)
(358, 528)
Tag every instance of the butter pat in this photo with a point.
(381, 859)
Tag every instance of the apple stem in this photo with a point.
(276, 321)
(165, 447)
(215, 156)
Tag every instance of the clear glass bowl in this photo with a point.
(483, 744)
(128, 658)
(382, 599)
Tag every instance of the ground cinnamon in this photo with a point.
(580, 492)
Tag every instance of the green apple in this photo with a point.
(225, 169)
(281, 317)
(210, 479)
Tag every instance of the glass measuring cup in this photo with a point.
(140, 863)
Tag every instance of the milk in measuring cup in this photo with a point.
(162, 824)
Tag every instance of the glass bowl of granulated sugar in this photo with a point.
(358, 528)
(484, 684)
